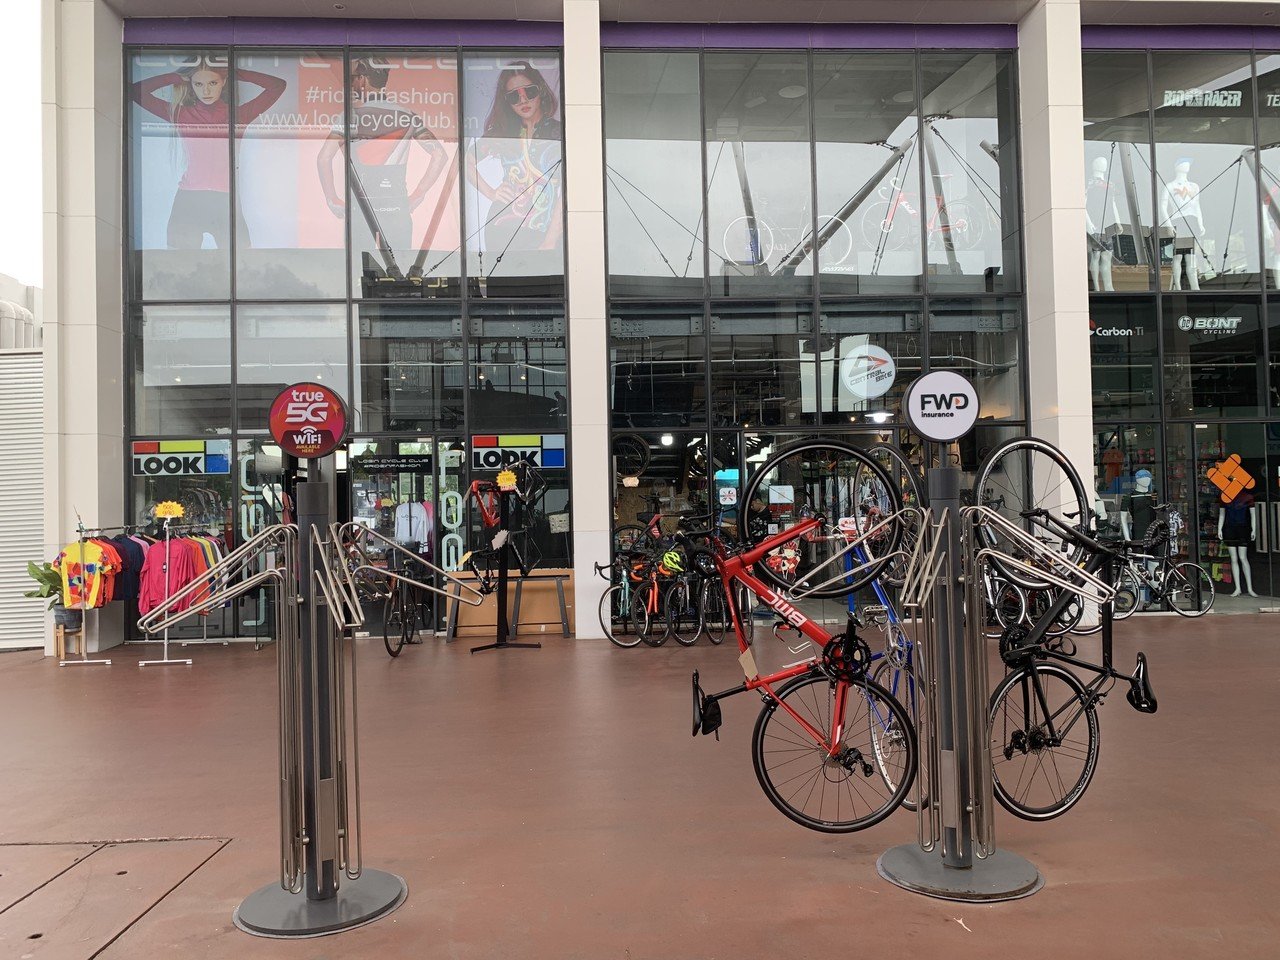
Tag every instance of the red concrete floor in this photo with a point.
(551, 804)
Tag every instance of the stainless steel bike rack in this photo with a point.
(955, 856)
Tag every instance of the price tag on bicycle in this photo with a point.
(507, 481)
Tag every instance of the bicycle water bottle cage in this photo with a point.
(706, 711)
(1140, 696)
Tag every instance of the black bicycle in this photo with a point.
(1044, 724)
(408, 608)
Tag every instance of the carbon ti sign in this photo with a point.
(308, 420)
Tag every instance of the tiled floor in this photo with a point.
(551, 804)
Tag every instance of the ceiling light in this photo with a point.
(754, 102)
(792, 91)
(904, 96)
(668, 439)
(880, 416)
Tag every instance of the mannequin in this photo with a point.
(1184, 197)
(1100, 198)
(1237, 528)
(1139, 507)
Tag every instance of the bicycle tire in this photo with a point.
(392, 623)
(1189, 583)
(715, 612)
(630, 455)
(845, 491)
(616, 623)
(1021, 474)
(647, 626)
(1005, 743)
(794, 745)
(679, 609)
(911, 488)
(895, 674)
(1128, 595)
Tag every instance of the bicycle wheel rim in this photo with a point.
(834, 481)
(1041, 782)
(681, 624)
(1190, 590)
(894, 679)
(715, 613)
(903, 475)
(816, 792)
(616, 622)
(1023, 474)
(392, 634)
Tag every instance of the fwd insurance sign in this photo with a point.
(941, 406)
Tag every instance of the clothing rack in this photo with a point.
(168, 540)
(81, 533)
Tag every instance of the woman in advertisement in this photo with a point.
(198, 105)
(523, 132)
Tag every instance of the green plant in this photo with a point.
(48, 583)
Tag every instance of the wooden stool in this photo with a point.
(60, 634)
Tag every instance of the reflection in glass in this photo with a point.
(1124, 345)
(1273, 339)
(969, 213)
(657, 362)
(280, 345)
(763, 364)
(868, 172)
(408, 360)
(653, 173)
(1207, 196)
(1213, 361)
(179, 190)
(669, 474)
(981, 340)
(1268, 172)
(290, 242)
(181, 370)
(403, 171)
(869, 352)
(515, 177)
(1117, 156)
(759, 209)
(1119, 454)
(517, 371)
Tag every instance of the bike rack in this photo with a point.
(794, 594)
(955, 856)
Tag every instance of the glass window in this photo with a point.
(763, 364)
(868, 161)
(1268, 66)
(290, 224)
(1273, 338)
(402, 165)
(653, 173)
(666, 473)
(179, 186)
(194, 472)
(869, 352)
(1117, 161)
(759, 208)
(1120, 455)
(280, 345)
(1206, 195)
(981, 340)
(1124, 345)
(408, 359)
(541, 532)
(181, 370)
(1213, 362)
(517, 371)
(515, 177)
(657, 364)
(969, 211)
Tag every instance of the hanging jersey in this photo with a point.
(84, 567)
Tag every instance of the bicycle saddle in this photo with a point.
(1140, 696)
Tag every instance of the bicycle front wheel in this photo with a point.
(887, 735)
(715, 611)
(848, 491)
(646, 614)
(615, 617)
(682, 614)
(1189, 589)
(1128, 596)
(855, 788)
(393, 621)
(1027, 474)
(1044, 741)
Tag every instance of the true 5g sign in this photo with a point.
(941, 406)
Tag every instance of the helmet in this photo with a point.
(673, 561)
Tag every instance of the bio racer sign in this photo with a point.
(308, 420)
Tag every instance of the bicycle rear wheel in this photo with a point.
(1024, 474)
(844, 487)
(1128, 596)
(715, 612)
(1189, 590)
(850, 791)
(1039, 773)
(649, 623)
(681, 610)
(393, 622)
(886, 734)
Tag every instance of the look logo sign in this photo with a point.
(308, 420)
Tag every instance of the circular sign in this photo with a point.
(308, 420)
(867, 372)
(1186, 324)
(941, 406)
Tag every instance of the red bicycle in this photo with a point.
(832, 749)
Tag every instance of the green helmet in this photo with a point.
(673, 561)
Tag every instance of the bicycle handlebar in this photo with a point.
(1076, 536)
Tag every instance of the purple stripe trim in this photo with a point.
(839, 36)
(263, 31)
(1179, 38)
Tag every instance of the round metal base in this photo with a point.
(1001, 876)
(274, 912)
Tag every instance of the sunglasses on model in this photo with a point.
(528, 92)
